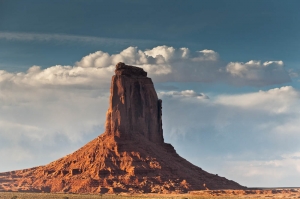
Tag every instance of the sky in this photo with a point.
(227, 72)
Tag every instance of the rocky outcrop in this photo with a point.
(134, 107)
(130, 156)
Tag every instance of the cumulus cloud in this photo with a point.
(257, 73)
(163, 64)
(57, 76)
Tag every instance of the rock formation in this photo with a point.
(134, 107)
(130, 156)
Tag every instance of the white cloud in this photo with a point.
(132, 56)
(257, 73)
(252, 69)
(184, 93)
(165, 53)
(163, 64)
(277, 100)
(58, 76)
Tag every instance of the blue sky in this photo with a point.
(227, 71)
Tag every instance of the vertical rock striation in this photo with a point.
(134, 107)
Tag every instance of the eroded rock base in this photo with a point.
(109, 165)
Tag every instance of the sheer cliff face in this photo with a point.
(134, 107)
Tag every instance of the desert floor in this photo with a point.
(220, 194)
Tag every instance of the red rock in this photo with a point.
(134, 107)
(130, 156)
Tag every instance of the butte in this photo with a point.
(130, 156)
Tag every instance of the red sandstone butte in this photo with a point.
(130, 156)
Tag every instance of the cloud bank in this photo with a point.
(163, 63)
(252, 137)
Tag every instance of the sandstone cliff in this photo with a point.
(134, 107)
(130, 156)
